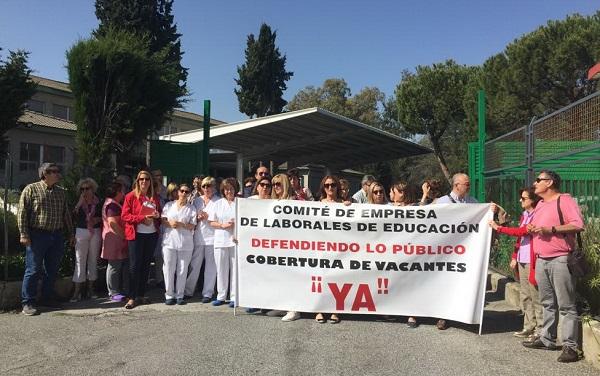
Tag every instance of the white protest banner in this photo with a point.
(428, 261)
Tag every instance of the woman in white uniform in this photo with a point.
(179, 220)
(222, 220)
(204, 238)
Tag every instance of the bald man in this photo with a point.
(460, 191)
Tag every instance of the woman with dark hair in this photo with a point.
(114, 245)
(345, 190)
(222, 219)
(88, 238)
(301, 193)
(330, 191)
(179, 221)
(262, 189)
(432, 190)
(403, 194)
(523, 261)
(141, 210)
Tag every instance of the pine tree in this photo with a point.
(262, 78)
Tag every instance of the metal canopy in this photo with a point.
(312, 135)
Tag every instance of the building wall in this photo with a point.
(38, 136)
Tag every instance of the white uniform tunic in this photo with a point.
(224, 212)
(204, 234)
(179, 238)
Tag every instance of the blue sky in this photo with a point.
(368, 43)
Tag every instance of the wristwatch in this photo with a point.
(553, 230)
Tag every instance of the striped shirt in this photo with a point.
(43, 208)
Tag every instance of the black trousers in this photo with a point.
(141, 251)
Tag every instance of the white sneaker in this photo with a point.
(291, 316)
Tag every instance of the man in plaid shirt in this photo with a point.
(43, 218)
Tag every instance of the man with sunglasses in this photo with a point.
(43, 217)
(554, 238)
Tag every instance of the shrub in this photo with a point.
(589, 287)
(14, 247)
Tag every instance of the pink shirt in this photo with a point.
(546, 215)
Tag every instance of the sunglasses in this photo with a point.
(377, 192)
(85, 188)
(265, 185)
(185, 191)
(263, 174)
(277, 184)
(206, 186)
(537, 180)
(523, 198)
(332, 185)
(143, 179)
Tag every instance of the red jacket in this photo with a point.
(520, 232)
(132, 206)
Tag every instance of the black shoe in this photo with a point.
(30, 310)
(538, 344)
(568, 355)
(206, 300)
(170, 302)
(187, 297)
(180, 301)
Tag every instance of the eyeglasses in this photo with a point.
(143, 179)
(277, 184)
(537, 180)
(523, 198)
(53, 171)
(185, 191)
(263, 173)
(265, 185)
(377, 192)
(85, 188)
(327, 185)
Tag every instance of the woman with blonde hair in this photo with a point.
(172, 194)
(204, 240)
(141, 213)
(376, 194)
(88, 238)
(282, 189)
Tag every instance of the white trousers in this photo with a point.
(175, 268)
(226, 272)
(87, 249)
(202, 253)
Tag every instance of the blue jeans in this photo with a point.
(43, 256)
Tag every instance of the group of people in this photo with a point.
(193, 226)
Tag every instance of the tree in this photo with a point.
(16, 88)
(262, 78)
(152, 18)
(336, 96)
(540, 72)
(122, 92)
(430, 102)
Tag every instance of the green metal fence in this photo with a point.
(567, 141)
(178, 161)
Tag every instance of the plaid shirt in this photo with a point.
(42, 208)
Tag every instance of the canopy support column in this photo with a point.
(239, 168)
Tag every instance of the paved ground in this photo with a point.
(200, 339)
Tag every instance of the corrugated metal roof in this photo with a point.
(312, 135)
(36, 118)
